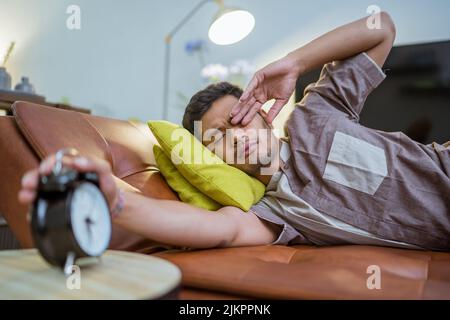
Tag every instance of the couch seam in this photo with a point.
(108, 148)
(29, 137)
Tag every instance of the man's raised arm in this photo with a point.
(346, 41)
(278, 79)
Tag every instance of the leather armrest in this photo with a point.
(16, 158)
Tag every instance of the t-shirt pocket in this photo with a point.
(356, 164)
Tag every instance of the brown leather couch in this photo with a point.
(297, 272)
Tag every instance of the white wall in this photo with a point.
(114, 64)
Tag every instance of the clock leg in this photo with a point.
(69, 263)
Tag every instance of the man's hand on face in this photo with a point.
(275, 81)
(30, 179)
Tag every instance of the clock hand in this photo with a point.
(90, 219)
(90, 210)
(89, 223)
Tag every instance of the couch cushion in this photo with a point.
(49, 129)
(307, 272)
(130, 144)
(186, 191)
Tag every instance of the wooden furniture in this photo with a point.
(8, 97)
(118, 275)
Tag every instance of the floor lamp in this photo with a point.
(229, 25)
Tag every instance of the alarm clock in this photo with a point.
(70, 217)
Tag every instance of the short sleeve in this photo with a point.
(288, 235)
(345, 85)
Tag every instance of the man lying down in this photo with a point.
(335, 181)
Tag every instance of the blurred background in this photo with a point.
(114, 64)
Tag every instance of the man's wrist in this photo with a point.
(118, 204)
(297, 63)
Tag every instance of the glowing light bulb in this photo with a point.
(231, 27)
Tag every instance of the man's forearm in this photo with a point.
(175, 223)
(344, 42)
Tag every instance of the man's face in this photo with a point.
(248, 148)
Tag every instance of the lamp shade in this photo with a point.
(231, 26)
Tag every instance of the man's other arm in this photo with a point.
(346, 41)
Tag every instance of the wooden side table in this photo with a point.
(118, 275)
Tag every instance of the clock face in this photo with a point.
(91, 223)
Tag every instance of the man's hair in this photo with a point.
(203, 100)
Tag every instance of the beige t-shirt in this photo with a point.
(302, 224)
(346, 183)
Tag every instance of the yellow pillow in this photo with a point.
(204, 170)
(186, 191)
